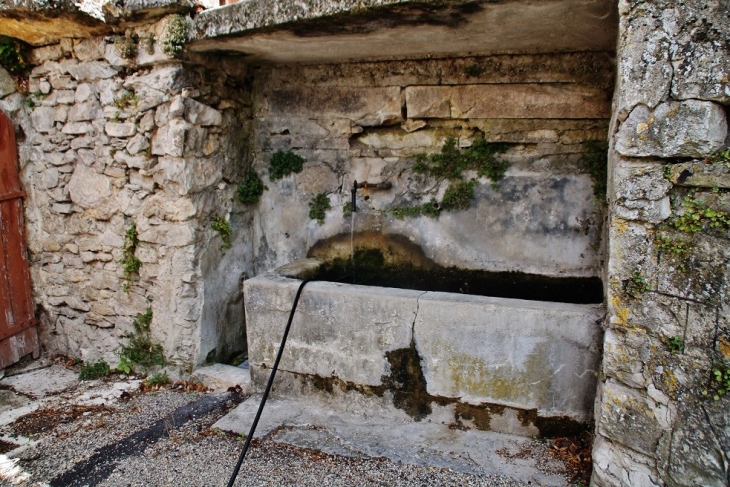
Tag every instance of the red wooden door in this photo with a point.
(18, 334)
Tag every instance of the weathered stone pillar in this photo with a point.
(662, 417)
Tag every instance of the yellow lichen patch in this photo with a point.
(621, 313)
(724, 347)
(642, 127)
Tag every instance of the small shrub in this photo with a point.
(126, 46)
(284, 163)
(459, 196)
(175, 35)
(94, 370)
(13, 55)
(140, 349)
(223, 228)
(125, 366)
(252, 188)
(318, 207)
(159, 379)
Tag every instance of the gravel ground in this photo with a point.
(193, 454)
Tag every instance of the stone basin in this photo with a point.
(509, 365)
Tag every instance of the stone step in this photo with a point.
(221, 376)
(309, 423)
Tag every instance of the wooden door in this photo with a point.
(18, 334)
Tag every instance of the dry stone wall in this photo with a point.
(662, 415)
(368, 121)
(110, 140)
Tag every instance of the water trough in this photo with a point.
(491, 363)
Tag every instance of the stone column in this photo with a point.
(662, 417)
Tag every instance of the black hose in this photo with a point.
(268, 386)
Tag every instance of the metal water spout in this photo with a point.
(366, 185)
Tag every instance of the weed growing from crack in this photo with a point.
(252, 188)
(95, 370)
(140, 349)
(175, 35)
(223, 227)
(130, 263)
(318, 207)
(284, 163)
(636, 285)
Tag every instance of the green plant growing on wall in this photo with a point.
(720, 157)
(223, 228)
(126, 46)
(636, 285)
(697, 216)
(595, 160)
(450, 164)
(140, 349)
(675, 344)
(318, 207)
(95, 370)
(719, 380)
(175, 35)
(459, 196)
(127, 100)
(284, 163)
(675, 246)
(13, 55)
(252, 188)
(130, 263)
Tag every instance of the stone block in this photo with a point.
(338, 330)
(90, 110)
(701, 70)
(631, 418)
(7, 85)
(47, 53)
(364, 106)
(522, 354)
(645, 72)
(617, 466)
(93, 192)
(200, 114)
(115, 129)
(90, 49)
(690, 128)
(91, 71)
(695, 454)
(220, 377)
(428, 101)
(170, 139)
(43, 118)
(700, 175)
(84, 92)
(529, 101)
(168, 234)
(78, 128)
(621, 360)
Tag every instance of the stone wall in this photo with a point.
(661, 415)
(109, 139)
(367, 121)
